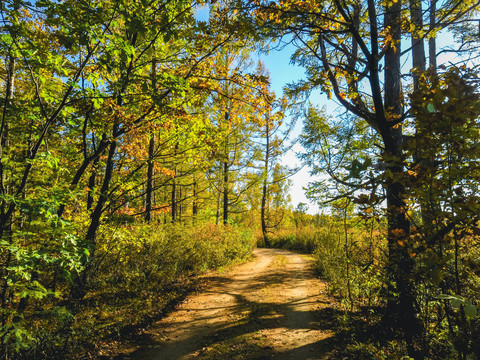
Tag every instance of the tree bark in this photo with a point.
(4, 143)
(195, 201)
(225, 192)
(217, 214)
(151, 150)
(264, 188)
(420, 156)
(149, 190)
(91, 184)
(174, 188)
(6, 223)
(401, 309)
(78, 289)
(418, 47)
(180, 202)
(432, 42)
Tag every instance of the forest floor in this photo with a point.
(272, 307)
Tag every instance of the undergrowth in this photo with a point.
(352, 258)
(352, 264)
(140, 272)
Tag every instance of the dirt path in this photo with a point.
(269, 308)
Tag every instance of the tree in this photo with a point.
(274, 176)
(234, 104)
(90, 77)
(45, 61)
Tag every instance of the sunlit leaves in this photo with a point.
(447, 108)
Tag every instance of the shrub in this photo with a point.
(139, 270)
(352, 265)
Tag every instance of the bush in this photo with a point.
(138, 272)
(138, 255)
(352, 265)
(301, 240)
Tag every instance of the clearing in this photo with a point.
(272, 307)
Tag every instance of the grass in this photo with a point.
(139, 273)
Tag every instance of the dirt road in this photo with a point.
(269, 308)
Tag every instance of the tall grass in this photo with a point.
(139, 272)
(139, 255)
(350, 259)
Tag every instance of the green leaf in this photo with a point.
(470, 311)
(456, 303)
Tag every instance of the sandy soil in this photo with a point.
(269, 308)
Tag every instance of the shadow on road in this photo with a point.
(236, 328)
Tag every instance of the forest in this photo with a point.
(142, 145)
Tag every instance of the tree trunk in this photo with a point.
(97, 212)
(263, 214)
(174, 199)
(91, 184)
(5, 221)
(4, 139)
(418, 47)
(432, 43)
(217, 214)
(225, 192)
(420, 157)
(78, 289)
(149, 190)
(174, 188)
(151, 151)
(347, 256)
(180, 202)
(401, 309)
(264, 188)
(195, 202)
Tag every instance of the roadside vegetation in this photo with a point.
(140, 273)
(351, 256)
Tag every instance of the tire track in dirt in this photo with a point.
(268, 308)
